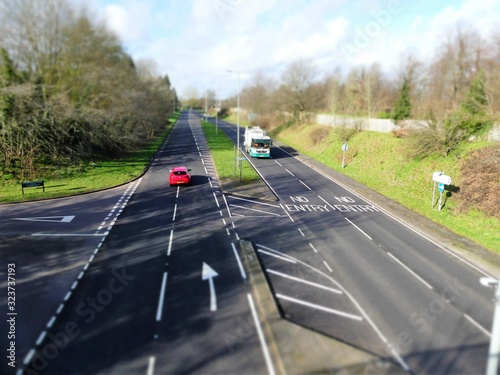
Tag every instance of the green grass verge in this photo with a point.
(379, 161)
(222, 150)
(86, 177)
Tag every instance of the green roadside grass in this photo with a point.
(379, 161)
(87, 177)
(222, 150)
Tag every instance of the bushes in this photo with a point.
(480, 182)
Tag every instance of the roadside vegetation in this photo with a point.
(87, 176)
(222, 150)
(382, 162)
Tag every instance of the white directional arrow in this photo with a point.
(48, 219)
(209, 273)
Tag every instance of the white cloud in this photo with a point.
(195, 42)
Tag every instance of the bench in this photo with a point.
(32, 184)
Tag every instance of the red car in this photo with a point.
(180, 176)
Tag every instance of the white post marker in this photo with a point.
(208, 273)
(344, 149)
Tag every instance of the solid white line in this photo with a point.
(303, 183)
(336, 291)
(170, 242)
(265, 349)
(411, 271)
(319, 307)
(358, 228)
(312, 247)
(327, 266)
(253, 209)
(242, 270)
(253, 201)
(162, 296)
(276, 256)
(363, 312)
(227, 206)
(293, 221)
(175, 212)
(151, 365)
(478, 325)
(216, 201)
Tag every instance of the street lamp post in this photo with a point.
(237, 151)
(494, 351)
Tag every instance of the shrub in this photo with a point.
(480, 182)
(319, 134)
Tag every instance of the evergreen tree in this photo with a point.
(476, 101)
(402, 108)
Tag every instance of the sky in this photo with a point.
(197, 42)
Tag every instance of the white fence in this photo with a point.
(382, 125)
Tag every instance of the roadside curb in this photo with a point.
(297, 350)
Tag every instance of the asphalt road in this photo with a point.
(147, 278)
(151, 283)
(344, 267)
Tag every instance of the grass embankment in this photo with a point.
(88, 177)
(379, 161)
(222, 150)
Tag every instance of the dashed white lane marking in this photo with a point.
(484, 330)
(303, 183)
(169, 250)
(162, 297)
(358, 228)
(127, 195)
(238, 260)
(312, 247)
(411, 271)
(151, 365)
(328, 267)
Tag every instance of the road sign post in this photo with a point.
(441, 179)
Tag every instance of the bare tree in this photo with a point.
(296, 96)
